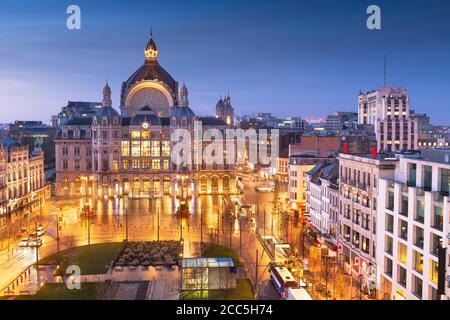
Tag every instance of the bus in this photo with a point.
(282, 279)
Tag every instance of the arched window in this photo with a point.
(226, 183)
(215, 184)
(203, 183)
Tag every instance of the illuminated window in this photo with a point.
(145, 151)
(165, 148)
(115, 165)
(135, 134)
(146, 164)
(125, 148)
(155, 149)
(135, 164)
(135, 148)
(203, 183)
(402, 253)
(433, 273)
(125, 164)
(166, 165)
(156, 165)
(145, 134)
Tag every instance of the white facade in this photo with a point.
(358, 188)
(322, 199)
(388, 109)
(414, 215)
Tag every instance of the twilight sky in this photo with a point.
(303, 58)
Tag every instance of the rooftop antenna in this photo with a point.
(385, 68)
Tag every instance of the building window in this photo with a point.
(404, 205)
(420, 211)
(125, 165)
(402, 253)
(203, 184)
(403, 229)
(155, 148)
(166, 165)
(165, 148)
(445, 181)
(388, 266)
(417, 261)
(435, 244)
(389, 222)
(115, 165)
(226, 183)
(135, 148)
(65, 165)
(433, 273)
(427, 178)
(418, 237)
(135, 164)
(437, 221)
(125, 150)
(389, 245)
(145, 164)
(105, 165)
(156, 165)
(145, 151)
(135, 134)
(145, 134)
(401, 276)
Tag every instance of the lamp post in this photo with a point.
(158, 223)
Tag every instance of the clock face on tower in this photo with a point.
(151, 97)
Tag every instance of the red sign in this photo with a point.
(374, 152)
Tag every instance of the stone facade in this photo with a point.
(129, 154)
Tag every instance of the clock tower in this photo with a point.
(151, 85)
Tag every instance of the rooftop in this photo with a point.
(432, 155)
(225, 262)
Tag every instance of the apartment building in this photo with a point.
(358, 190)
(299, 165)
(322, 200)
(414, 217)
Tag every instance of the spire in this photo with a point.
(151, 51)
(184, 96)
(107, 101)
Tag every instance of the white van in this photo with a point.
(298, 294)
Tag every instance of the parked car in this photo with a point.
(24, 242)
(36, 242)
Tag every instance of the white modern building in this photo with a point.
(413, 219)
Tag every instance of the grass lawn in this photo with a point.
(243, 291)
(91, 259)
(59, 291)
(214, 250)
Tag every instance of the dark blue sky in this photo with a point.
(306, 58)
